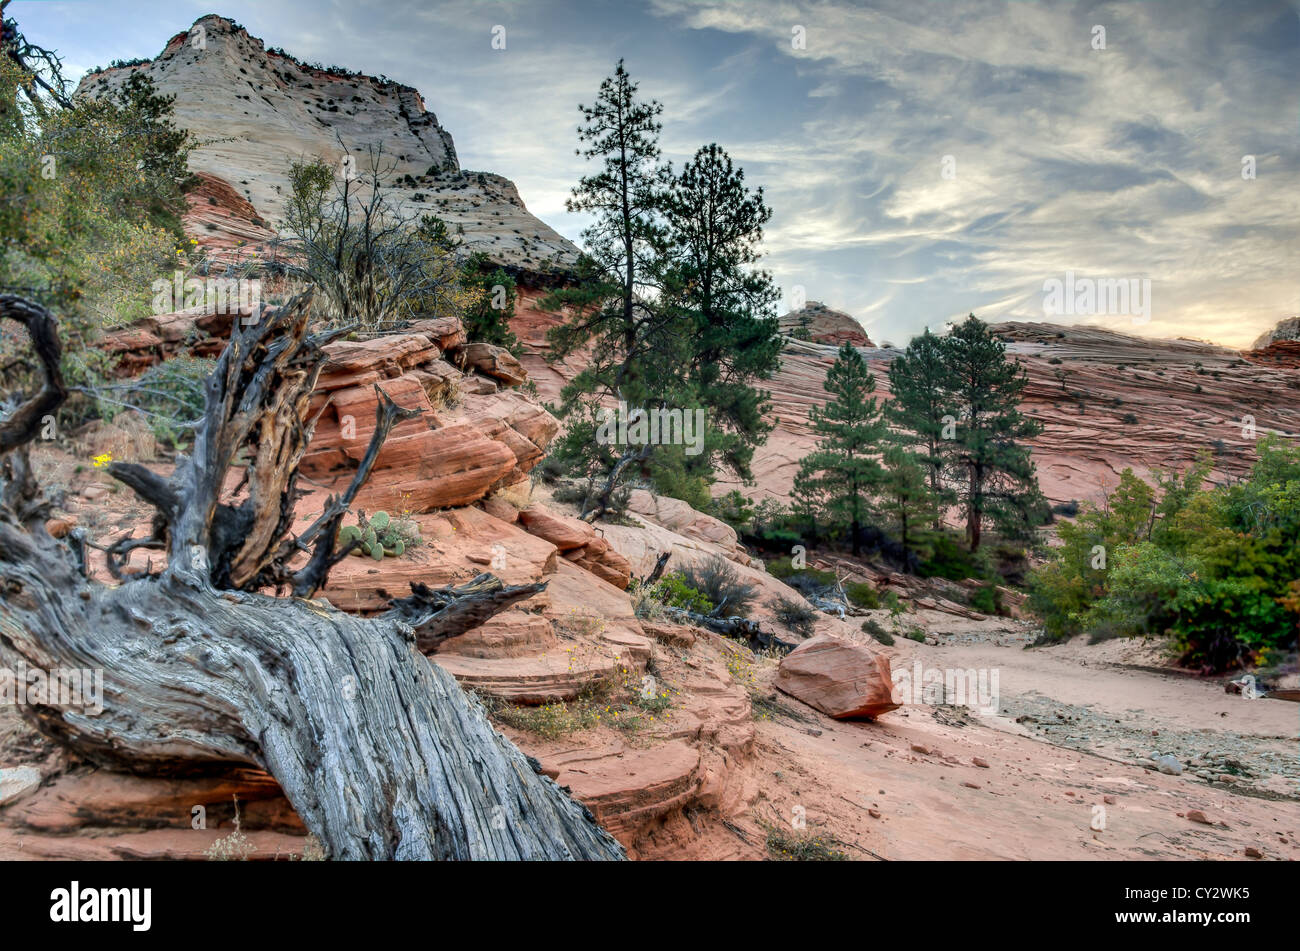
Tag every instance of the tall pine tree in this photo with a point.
(922, 397)
(614, 316)
(723, 308)
(993, 471)
(844, 468)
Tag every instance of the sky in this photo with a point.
(924, 159)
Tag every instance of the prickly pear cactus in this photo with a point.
(376, 537)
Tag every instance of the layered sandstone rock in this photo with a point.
(462, 446)
(256, 111)
(579, 543)
(1278, 353)
(842, 680)
(678, 516)
(1108, 400)
(82, 813)
(821, 324)
(496, 362)
(192, 332)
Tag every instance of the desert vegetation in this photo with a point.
(1216, 567)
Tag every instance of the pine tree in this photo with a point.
(625, 195)
(807, 501)
(723, 309)
(844, 467)
(922, 397)
(905, 495)
(613, 317)
(993, 471)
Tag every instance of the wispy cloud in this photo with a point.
(1115, 162)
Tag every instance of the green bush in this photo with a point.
(787, 572)
(950, 560)
(718, 581)
(1213, 567)
(872, 627)
(676, 483)
(985, 600)
(674, 591)
(781, 568)
(862, 595)
(733, 508)
(772, 527)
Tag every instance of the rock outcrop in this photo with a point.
(453, 453)
(1279, 347)
(820, 324)
(578, 542)
(256, 111)
(1286, 330)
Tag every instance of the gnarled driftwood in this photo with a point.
(380, 752)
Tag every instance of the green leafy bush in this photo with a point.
(783, 568)
(674, 591)
(949, 560)
(985, 600)
(1213, 567)
(733, 508)
(773, 527)
(718, 580)
(873, 627)
(862, 595)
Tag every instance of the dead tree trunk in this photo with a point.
(738, 628)
(380, 751)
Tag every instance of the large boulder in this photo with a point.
(841, 679)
